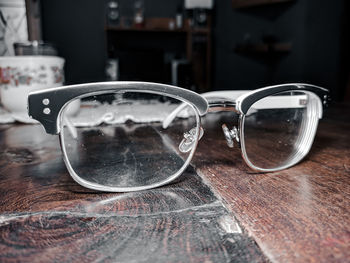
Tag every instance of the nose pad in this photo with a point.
(230, 135)
(189, 140)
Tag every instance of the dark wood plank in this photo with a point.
(296, 215)
(45, 216)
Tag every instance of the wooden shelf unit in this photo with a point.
(161, 26)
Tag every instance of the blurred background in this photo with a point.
(201, 45)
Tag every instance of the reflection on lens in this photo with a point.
(279, 130)
(117, 140)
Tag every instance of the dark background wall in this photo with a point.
(312, 27)
(77, 28)
(315, 28)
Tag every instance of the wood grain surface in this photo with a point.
(301, 214)
(46, 217)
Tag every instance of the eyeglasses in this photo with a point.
(148, 133)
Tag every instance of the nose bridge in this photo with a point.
(221, 104)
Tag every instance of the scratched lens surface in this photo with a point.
(279, 129)
(118, 140)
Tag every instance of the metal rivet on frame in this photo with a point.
(47, 111)
(46, 101)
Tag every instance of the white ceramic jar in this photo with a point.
(20, 75)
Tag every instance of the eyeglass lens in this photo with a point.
(279, 129)
(124, 145)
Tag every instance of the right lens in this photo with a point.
(278, 130)
(117, 140)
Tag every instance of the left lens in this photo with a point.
(116, 142)
(278, 130)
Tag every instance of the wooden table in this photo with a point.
(218, 211)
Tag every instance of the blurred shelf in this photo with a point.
(251, 3)
(199, 58)
(159, 24)
(200, 30)
(144, 29)
(155, 29)
(263, 48)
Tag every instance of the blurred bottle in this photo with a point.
(112, 66)
(113, 13)
(200, 17)
(34, 48)
(179, 17)
(139, 13)
(112, 69)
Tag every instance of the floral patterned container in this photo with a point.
(22, 74)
